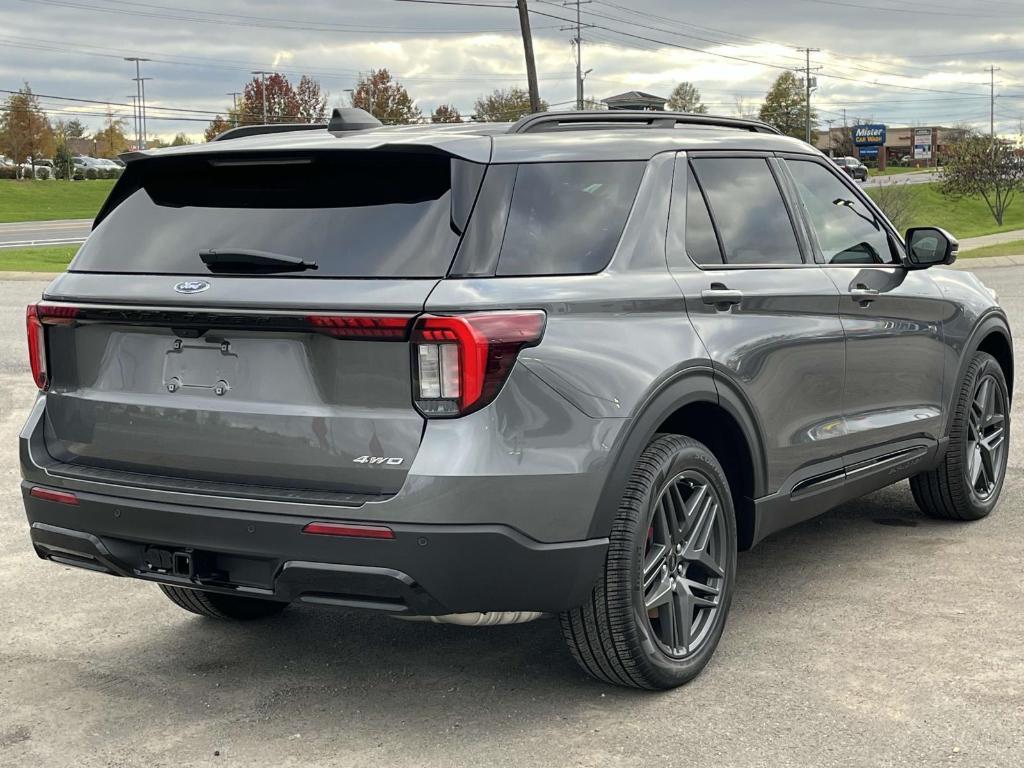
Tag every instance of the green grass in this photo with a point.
(47, 200)
(969, 217)
(1013, 248)
(53, 258)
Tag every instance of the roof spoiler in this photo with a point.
(616, 118)
(258, 130)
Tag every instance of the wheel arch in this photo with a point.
(991, 334)
(696, 404)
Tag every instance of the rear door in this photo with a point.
(282, 364)
(766, 313)
(892, 316)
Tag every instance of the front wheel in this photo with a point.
(655, 618)
(967, 483)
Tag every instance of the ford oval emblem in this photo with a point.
(192, 286)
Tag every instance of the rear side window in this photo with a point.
(748, 209)
(356, 214)
(567, 218)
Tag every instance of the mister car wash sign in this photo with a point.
(922, 143)
(869, 135)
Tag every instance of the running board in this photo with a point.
(815, 495)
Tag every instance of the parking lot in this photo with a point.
(867, 637)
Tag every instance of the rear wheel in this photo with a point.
(966, 485)
(216, 605)
(656, 616)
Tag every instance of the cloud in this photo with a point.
(901, 68)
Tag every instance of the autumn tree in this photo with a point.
(216, 127)
(285, 103)
(385, 98)
(979, 166)
(686, 98)
(446, 113)
(25, 132)
(785, 106)
(503, 105)
(69, 129)
(111, 141)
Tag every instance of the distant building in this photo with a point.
(899, 144)
(646, 102)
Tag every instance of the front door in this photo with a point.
(892, 318)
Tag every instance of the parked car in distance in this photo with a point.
(852, 166)
(508, 374)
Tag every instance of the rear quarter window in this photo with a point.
(567, 218)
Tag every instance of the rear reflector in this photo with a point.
(48, 494)
(351, 530)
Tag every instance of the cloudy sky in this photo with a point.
(902, 62)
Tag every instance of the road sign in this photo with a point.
(867, 152)
(869, 135)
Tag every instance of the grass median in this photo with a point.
(52, 258)
(50, 200)
(967, 217)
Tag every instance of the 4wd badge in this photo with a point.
(393, 461)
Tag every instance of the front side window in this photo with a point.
(747, 206)
(567, 218)
(848, 233)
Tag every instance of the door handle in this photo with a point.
(863, 294)
(721, 297)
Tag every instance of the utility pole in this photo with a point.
(138, 98)
(234, 107)
(808, 85)
(263, 89)
(830, 136)
(577, 42)
(992, 102)
(531, 64)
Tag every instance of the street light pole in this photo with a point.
(139, 126)
(234, 107)
(142, 111)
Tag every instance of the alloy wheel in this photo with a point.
(986, 438)
(685, 563)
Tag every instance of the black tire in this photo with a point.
(947, 492)
(216, 605)
(614, 636)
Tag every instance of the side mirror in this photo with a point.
(928, 246)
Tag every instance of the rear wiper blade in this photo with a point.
(243, 261)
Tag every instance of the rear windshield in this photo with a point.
(356, 214)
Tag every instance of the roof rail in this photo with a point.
(615, 118)
(258, 130)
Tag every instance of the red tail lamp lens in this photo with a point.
(380, 327)
(462, 361)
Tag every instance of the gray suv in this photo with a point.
(486, 373)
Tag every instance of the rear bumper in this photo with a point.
(423, 570)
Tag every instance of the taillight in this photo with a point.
(38, 315)
(48, 494)
(36, 346)
(378, 327)
(462, 361)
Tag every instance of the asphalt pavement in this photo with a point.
(30, 233)
(870, 636)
